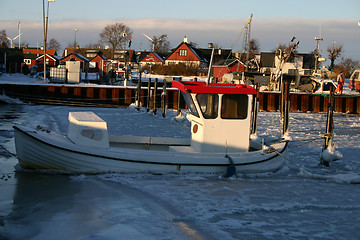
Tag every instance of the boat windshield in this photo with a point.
(190, 104)
(234, 106)
(208, 104)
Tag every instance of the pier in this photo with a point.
(122, 96)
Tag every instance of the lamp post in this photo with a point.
(45, 26)
(75, 30)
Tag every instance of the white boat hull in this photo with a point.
(40, 149)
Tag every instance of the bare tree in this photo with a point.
(115, 35)
(94, 45)
(347, 65)
(254, 47)
(4, 41)
(54, 45)
(162, 45)
(333, 53)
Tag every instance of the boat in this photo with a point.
(221, 141)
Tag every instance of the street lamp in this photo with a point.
(75, 30)
(45, 26)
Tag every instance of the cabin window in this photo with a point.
(94, 134)
(208, 105)
(190, 104)
(234, 106)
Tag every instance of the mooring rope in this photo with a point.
(6, 150)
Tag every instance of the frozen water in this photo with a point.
(304, 200)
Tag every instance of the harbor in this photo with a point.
(123, 96)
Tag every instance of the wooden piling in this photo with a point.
(261, 102)
(154, 97)
(148, 95)
(163, 99)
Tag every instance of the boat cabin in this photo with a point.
(87, 129)
(220, 115)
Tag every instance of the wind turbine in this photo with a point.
(154, 41)
(12, 45)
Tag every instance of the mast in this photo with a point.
(247, 34)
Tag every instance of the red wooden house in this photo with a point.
(51, 61)
(31, 54)
(185, 53)
(152, 58)
(84, 62)
(226, 66)
(98, 64)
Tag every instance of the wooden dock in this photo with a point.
(120, 96)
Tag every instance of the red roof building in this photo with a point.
(32, 54)
(84, 62)
(51, 61)
(226, 66)
(152, 58)
(98, 64)
(185, 53)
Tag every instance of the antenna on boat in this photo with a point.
(210, 45)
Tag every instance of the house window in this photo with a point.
(92, 64)
(292, 71)
(27, 61)
(182, 52)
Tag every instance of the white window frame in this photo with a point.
(183, 52)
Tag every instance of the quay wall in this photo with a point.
(121, 96)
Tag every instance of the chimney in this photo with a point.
(185, 40)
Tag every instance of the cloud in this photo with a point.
(225, 32)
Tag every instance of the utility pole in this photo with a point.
(19, 27)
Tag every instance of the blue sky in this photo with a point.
(201, 21)
(188, 9)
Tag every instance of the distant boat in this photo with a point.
(220, 116)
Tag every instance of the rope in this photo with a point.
(301, 168)
(12, 154)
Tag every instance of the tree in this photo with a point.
(4, 41)
(115, 35)
(162, 45)
(94, 45)
(254, 47)
(347, 65)
(54, 45)
(333, 53)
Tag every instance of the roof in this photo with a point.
(191, 48)
(144, 55)
(78, 55)
(108, 53)
(55, 58)
(100, 55)
(38, 51)
(220, 88)
(227, 62)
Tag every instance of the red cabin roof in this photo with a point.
(223, 88)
